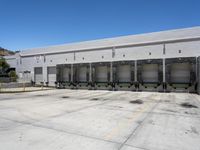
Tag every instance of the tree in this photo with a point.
(13, 76)
(3, 65)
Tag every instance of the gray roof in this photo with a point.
(155, 37)
(9, 57)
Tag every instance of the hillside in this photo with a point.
(5, 52)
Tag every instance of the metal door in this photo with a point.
(38, 73)
(150, 73)
(51, 76)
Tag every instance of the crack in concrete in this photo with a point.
(59, 130)
(138, 126)
(136, 147)
(67, 132)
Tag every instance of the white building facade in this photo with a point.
(160, 61)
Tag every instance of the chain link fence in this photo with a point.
(12, 85)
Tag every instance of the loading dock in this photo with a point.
(101, 75)
(81, 73)
(181, 74)
(124, 75)
(150, 75)
(64, 76)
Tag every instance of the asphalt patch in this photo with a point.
(138, 101)
(188, 105)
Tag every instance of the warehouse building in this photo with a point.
(161, 61)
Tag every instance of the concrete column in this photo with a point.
(72, 73)
(113, 52)
(44, 71)
(164, 71)
(196, 70)
(90, 73)
(135, 71)
(164, 75)
(111, 72)
(198, 75)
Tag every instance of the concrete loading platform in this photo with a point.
(99, 120)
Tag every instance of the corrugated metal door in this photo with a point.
(124, 73)
(180, 73)
(38, 75)
(51, 76)
(101, 73)
(150, 73)
(82, 74)
(66, 74)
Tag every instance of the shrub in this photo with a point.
(13, 76)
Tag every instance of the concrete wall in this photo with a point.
(170, 50)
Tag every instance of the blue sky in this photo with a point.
(38, 23)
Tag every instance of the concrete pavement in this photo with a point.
(99, 120)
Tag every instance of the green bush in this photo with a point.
(3, 65)
(13, 76)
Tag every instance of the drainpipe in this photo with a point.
(72, 73)
(111, 74)
(164, 75)
(135, 75)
